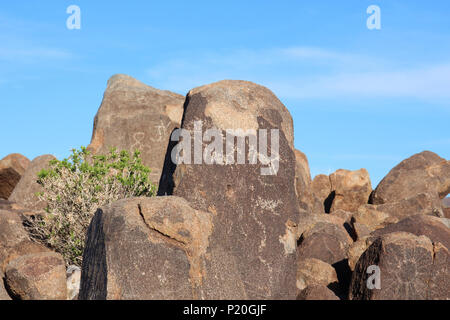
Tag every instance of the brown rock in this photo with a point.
(446, 205)
(345, 215)
(356, 249)
(303, 181)
(447, 213)
(23, 248)
(378, 216)
(12, 234)
(12, 167)
(446, 202)
(258, 213)
(3, 293)
(361, 230)
(155, 248)
(315, 271)
(325, 241)
(411, 268)
(419, 225)
(17, 208)
(321, 189)
(351, 189)
(317, 292)
(136, 116)
(24, 193)
(424, 172)
(37, 276)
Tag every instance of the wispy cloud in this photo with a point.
(32, 53)
(308, 72)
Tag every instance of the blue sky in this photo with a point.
(358, 97)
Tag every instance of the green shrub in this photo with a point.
(75, 187)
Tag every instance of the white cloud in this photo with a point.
(32, 54)
(307, 72)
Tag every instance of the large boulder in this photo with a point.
(410, 268)
(253, 205)
(351, 189)
(12, 167)
(424, 172)
(136, 116)
(420, 225)
(379, 216)
(156, 248)
(37, 276)
(25, 191)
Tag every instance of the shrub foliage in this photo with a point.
(76, 187)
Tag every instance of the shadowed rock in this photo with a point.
(136, 116)
(12, 167)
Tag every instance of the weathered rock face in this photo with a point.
(156, 248)
(446, 204)
(356, 250)
(303, 181)
(12, 167)
(411, 268)
(378, 216)
(351, 189)
(38, 276)
(14, 207)
(3, 293)
(447, 213)
(136, 116)
(322, 194)
(424, 172)
(315, 271)
(429, 226)
(255, 215)
(326, 241)
(25, 191)
(12, 234)
(317, 292)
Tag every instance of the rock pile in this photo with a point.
(220, 229)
